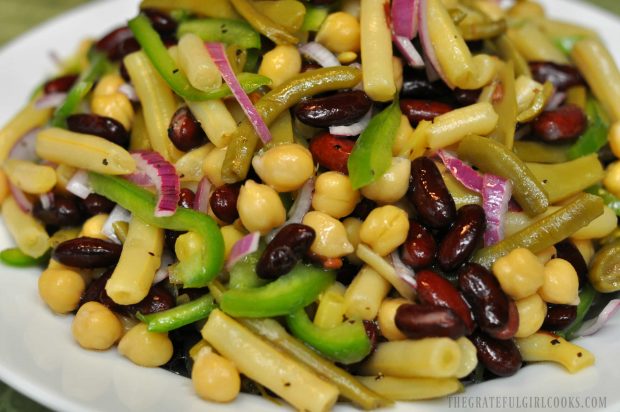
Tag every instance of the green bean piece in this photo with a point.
(604, 271)
(228, 31)
(538, 104)
(610, 200)
(16, 258)
(540, 152)
(584, 172)
(506, 107)
(586, 298)
(179, 316)
(263, 24)
(484, 30)
(493, 157)
(244, 140)
(508, 52)
(547, 231)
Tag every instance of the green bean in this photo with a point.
(604, 272)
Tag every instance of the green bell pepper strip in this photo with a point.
(314, 18)
(225, 31)
(547, 231)
(179, 316)
(200, 268)
(293, 291)
(493, 157)
(566, 43)
(243, 273)
(346, 343)
(158, 55)
(595, 137)
(586, 298)
(244, 139)
(98, 66)
(16, 258)
(610, 200)
(372, 154)
(263, 24)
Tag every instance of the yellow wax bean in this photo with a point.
(27, 119)
(29, 233)
(547, 347)
(376, 43)
(196, 63)
(30, 177)
(189, 167)
(451, 127)
(411, 389)
(215, 120)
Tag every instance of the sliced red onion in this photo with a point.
(556, 100)
(162, 175)
(24, 148)
(404, 16)
(403, 271)
(47, 101)
(218, 54)
(353, 129)
(244, 246)
(592, 326)
(79, 185)
(461, 171)
(118, 214)
(427, 45)
(47, 200)
(24, 204)
(201, 200)
(129, 91)
(409, 52)
(319, 53)
(164, 268)
(496, 193)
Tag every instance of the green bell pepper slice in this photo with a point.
(610, 200)
(179, 316)
(16, 258)
(226, 31)
(586, 298)
(243, 273)
(197, 270)
(595, 136)
(285, 295)
(314, 18)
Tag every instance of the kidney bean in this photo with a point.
(157, 300)
(186, 198)
(425, 321)
(185, 131)
(606, 156)
(429, 195)
(102, 126)
(417, 86)
(434, 289)
(419, 249)
(418, 110)
(559, 316)
(118, 43)
(161, 21)
(331, 152)
(501, 357)
(462, 238)
(466, 97)
(96, 204)
(285, 250)
(307, 66)
(223, 202)
(64, 211)
(87, 252)
(562, 125)
(489, 304)
(334, 110)
(60, 84)
(568, 251)
(95, 292)
(363, 208)
(509, 330)
(562, 76)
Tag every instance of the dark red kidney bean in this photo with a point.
(419, 249)
(562, 125)
(186, 198)
(429, 195)
(331, 152)
(96, 204)
(102, 126)
(501, 357)
(417, 86)
(606, 156)
(87, 252)
(363, 208)
(307, 66)
(60, 84)
(170, 238)
(338, 109)
(285, 250)
(559, 317)
(466, 97)
(511, 327)
(185, 131)
(95, 292)
(562, 76)
(434, 289)
(568, 251)
(122, 69)
(223, 202)
(117, 43)
(462, 238)
(426, 321)
(161, 21)
(489, 304)
(157, 300)
(64, 211)
(418, 110)
(372, 331)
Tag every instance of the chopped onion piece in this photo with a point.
(47, 101)
(403, 271)
(153, 170)
(244, 246)
(353, 129)
(129, 91)
(218, 54)
(592, 326)
(409, 52)
(427, 45)
(24, 148)
(319, 53)
(164, 268)
(118, 214)
(47, 200)
(556, 100)
(461, 171)
(24, 204)
(298, 210)
(79, 185)
(404, 15)
(496, 193)
(201, 201)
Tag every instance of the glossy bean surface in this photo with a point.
(335, 110)
(102, 126)
(281, 254)
(429, 195)
(185, 132)
(87, 252)
(462, 238)
(223, 202)
(426, 321)
(420, 248)
(501, 357)
(331, 152)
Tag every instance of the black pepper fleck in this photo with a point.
(555, 342)
(175, 71)
(287, 384)
(579, 354)
(151, 253)
(105, 161)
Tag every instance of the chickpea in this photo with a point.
(108, 84)
(214, 377)
(4, 186)
(547, 254)
(353, 226)
(280, 64)
(403, 135)
(285, 167)
(146, 348)
(331, 237)
(116, 106)
(393, 185)
(585, 247)
(96, 327)
(612, 178)
(599, 227)
(532, 311)
(519, 273)
(334, 195)
(93, 226)
(561, 283)
(385, 229)
(187, 245)
(61, 289)
(340, 32)
(231, 235)
(347, 57)
(212, 166)
(260, 207)
(614, 139)
(386, 316)
(526, 9)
